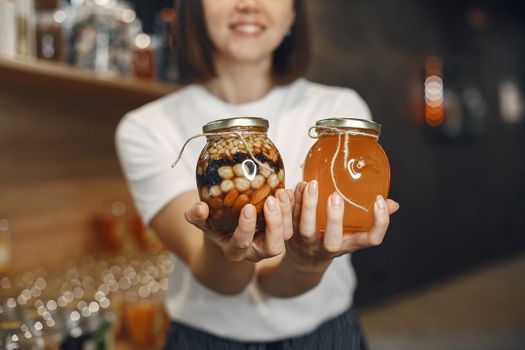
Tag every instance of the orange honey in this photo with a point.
(348, 156)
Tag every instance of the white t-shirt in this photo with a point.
(148, 141)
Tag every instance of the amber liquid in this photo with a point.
(360, 176)
(144, 321)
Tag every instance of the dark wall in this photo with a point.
(147, 10)
(462, 193)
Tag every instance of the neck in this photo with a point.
(239, 82)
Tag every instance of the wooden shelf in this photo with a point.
(55, 73)
(57, 144)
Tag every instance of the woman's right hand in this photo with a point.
(313, 249)
(241, 245)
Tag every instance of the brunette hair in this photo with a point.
(195, 48)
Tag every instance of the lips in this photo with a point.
(247, 28)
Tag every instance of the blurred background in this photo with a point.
(445, 79)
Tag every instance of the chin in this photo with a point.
(250, 56)
(251, 53)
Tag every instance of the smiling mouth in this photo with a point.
(245, 28)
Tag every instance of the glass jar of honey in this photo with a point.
(347, 158)
(237, 166)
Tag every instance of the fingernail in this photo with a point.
(283, 197)
(380, 202)
(197, 210)
(249, 211)
(336, 199)
(271, 203)
(312, 187)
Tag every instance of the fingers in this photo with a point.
(291, 195)
(242, 237)
(274, 235)
(355, 241)
(298, 200)
(333, 237)
(381, 222)
(278, 218)
(307, 226)
(285, 202)
(392, 206)
(376, 234)
(197, 215)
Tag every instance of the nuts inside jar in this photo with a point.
(229, 178)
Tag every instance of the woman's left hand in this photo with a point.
(312, 249)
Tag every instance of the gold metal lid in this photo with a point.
(223, 124)
(355, 123)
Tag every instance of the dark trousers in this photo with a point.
(341, 332)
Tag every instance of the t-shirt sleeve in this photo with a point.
(146, 162)
(349, 103)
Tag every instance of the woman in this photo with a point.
(293, 289)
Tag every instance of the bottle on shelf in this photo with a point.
(8, 28)
(167, 70)
(25, 23)
(5, 247)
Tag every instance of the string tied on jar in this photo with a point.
(327, 130)
(239, 134)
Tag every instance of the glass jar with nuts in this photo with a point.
(239, 165)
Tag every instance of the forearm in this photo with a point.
(210, 267)
(204, 258)
(289, 278)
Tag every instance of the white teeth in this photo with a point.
(248, 28)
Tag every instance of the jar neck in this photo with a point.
(232, 132)
(323, 132)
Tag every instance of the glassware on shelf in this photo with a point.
(41, 322)
(101, 37)
(49, 38)
(145, 320)
(88, 303)
(167, 69)
(144, 64)
(16, 335)
(25, 21)
(5, 247)
(8, 36)
(111, 226)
